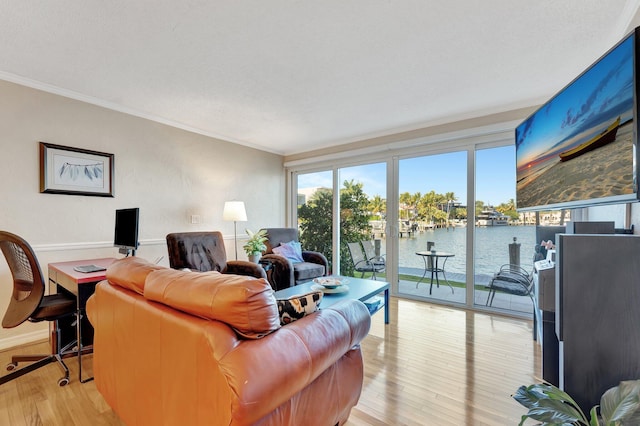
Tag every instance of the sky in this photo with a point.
(442, 173)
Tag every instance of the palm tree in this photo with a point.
(378, 206)
(509, 209)
(428, 205)
(415, 199)
(461, 213)
(451, 198)
(438, 213)
(405, 201)
(511, 204)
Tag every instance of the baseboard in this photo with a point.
(24, 339)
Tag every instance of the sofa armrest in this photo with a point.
(243, 267)
(273, 369)
(281, 275)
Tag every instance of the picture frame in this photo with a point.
(75, 171)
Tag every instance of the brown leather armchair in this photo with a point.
(205, 251)
(284, 273)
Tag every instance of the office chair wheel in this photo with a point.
(12, 366)
(64, 381)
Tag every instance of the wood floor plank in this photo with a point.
(432, 365)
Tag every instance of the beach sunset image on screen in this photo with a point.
(578, 148)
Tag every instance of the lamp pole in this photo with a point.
(235, 238)
(235, 211)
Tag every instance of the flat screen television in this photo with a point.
(579, 148)
(126, 230)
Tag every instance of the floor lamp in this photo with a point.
(235, 211)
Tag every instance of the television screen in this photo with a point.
(578, 149)
(126, 232)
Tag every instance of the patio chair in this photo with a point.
(361, 263)
(370, 253)
(511, 279)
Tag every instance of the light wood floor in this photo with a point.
(432, 365)
(435, 365)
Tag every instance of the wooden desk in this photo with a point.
(82, 285)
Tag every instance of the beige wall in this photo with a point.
(170, 174)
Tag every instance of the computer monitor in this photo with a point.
(126, 230)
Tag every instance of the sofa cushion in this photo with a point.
(307, 271)
(291, 250)
(295, 307)
(246, 304)
(131, 273)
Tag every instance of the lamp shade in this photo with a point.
(234, 210)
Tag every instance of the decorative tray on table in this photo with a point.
(330, 284)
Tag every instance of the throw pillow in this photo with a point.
(291, 250)
(296, 307)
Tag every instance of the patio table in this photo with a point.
(431, 259)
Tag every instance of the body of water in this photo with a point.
(492, 247)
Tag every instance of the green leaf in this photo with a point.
(528, 396)
(556, 412)
(594, 417)
(632, 419)
(550, 405)
(620, 402)
(523, 419)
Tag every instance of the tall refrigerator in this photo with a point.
(597, 313)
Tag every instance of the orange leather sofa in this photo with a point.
(187, 348)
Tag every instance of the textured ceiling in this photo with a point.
(292, 76)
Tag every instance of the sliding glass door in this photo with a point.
(431, 228)
(363, 213)
(446, 223)
(315, 212)
(502, 236)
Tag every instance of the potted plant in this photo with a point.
(255, 244)
(552, 406)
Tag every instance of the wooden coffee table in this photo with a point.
(359, 289)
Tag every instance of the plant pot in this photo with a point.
(255, 257)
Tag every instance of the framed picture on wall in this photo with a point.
(75, 171)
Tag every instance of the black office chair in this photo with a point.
(28, 302)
